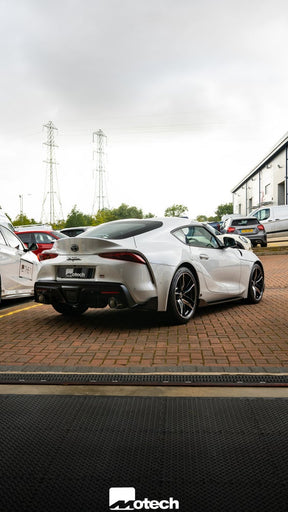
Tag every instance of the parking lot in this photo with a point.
(232, 336)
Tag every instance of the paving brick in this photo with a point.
(219, 336)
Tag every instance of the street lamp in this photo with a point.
(21, 196)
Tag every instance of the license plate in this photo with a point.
(246, 230)
(76, 272)
(26, 269)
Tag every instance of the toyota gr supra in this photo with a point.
(165, 264)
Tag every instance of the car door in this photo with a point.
(220, 267)
(17, 269)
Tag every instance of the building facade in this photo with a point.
(266, 184)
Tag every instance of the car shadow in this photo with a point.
(124, 319)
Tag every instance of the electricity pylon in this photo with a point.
(51, 175)
(100, 200)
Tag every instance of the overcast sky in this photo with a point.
(190, 94)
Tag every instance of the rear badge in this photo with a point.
(74, 248)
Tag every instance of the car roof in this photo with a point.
(36, 230)
(76, 227)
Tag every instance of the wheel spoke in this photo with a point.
(257, 283)
(185, 295)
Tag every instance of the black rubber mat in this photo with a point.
(67, 453)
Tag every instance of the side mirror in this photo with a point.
(229, 241)
(32, 247)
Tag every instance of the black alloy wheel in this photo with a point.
(256, 284)
(183, 296)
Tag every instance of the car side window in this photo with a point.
(201, 237)
(12, 240)
(44, 238)
(263, 214)
(27, 238)
(2, 239)
(196, 236)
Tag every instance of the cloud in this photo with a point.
(174, 74)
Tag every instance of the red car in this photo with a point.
(43, 238)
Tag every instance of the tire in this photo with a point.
(183, 296)
(256, 284)
(68, 309)
(264, 244)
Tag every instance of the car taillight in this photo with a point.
(261, 227)
(47, 256)
(124, 256)
(230, 230)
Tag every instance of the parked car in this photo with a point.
(215, 225)
(241, 242)
(41, 238)
(74, 231)
(18, 267)
(249, 227)
(273, 218)
(168, 264)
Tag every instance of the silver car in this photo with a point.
(18, 267)
(250, 227)
(165, 264)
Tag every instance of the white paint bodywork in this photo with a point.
(222, 273)
(18, 267)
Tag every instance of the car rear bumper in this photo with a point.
(255, 238)
(90, 294)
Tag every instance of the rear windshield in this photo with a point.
(245, 222)
(123, 229)
(59, 234)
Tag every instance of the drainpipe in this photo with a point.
(286, 175)
(246, 199)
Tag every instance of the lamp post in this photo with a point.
(21, 198)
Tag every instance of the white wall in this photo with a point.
(246, 197)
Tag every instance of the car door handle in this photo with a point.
(204, 257)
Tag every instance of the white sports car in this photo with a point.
(240, 241)
(165, 264)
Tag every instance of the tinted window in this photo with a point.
(123, 229)
(73, 231)
(196, 236)
(245, 222)
(58, 234)
(27, 238)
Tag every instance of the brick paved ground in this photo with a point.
(234, 335)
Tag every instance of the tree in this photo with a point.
(224, 209)
(77, 218)
(127, 212)
(202, 218)
(22, 220)
(177, 210)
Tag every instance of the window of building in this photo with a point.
(267, 189)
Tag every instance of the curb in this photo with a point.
(267, 251)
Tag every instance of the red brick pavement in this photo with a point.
(233, 335)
